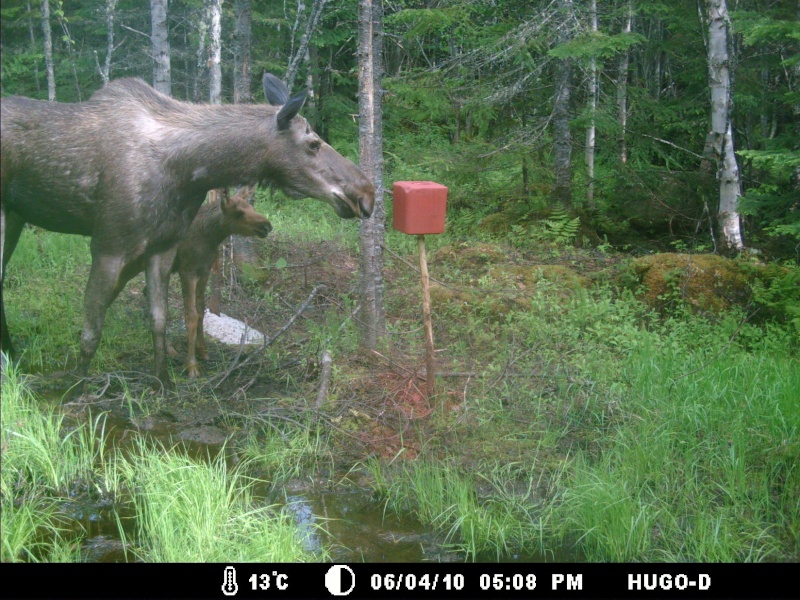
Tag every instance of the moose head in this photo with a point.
(311, 167)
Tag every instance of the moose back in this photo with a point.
(130, 168)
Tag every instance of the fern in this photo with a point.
(560, 228)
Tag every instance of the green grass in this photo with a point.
(671, 440)
(42, 459)
(190, 511)
(184, 510)
(280, 452)
(445, 499)
(591, 428)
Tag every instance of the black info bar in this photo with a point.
(387, 580)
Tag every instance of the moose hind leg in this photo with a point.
(11, 225)
(157, 274)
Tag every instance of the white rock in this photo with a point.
(229, 330)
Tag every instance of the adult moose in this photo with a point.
(130, 168)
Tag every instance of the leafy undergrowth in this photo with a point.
(572, 418)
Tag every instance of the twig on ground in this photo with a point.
(267, 342)
(325, 377)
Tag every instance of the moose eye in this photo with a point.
(315, 145)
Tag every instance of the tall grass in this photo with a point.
(442, 497)
(704, 464)
(192, 511)
(678, 439)
(281, 453)
(41, 460)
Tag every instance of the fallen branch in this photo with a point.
(268, 342)
(325, 377)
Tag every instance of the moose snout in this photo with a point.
(365, 200)
(263, 229)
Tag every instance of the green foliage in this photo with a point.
(774, 202)
(560, 228)
(778, 290)
(597, 44)
(41, 464)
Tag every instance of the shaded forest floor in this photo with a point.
(551, 360)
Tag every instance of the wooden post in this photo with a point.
(426, 317)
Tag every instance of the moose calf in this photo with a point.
(197, 252)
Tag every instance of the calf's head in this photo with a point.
(310, 167)
(240, 218)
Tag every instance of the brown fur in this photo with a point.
(198, 251)
(130, 168)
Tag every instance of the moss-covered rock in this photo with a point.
(703, 282)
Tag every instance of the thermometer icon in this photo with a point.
(230, 587)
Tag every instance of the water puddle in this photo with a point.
(353, 527)
(350, 524)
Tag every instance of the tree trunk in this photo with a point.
(202, 62)
(48, 51)
(622, 89)
(562, 140)
(720, 141)
(592, 106)
(215, 97)
(243, 249)
(311, 24)
(373, 230)
(33, 45)
(241, 51)
(160, 42)
(105, 70)
(215, 52)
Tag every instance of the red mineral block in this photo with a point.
(419, 207)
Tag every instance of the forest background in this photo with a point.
(612, 389)
(521, 108)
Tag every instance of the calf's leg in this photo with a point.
(200, 296)
(189, 288)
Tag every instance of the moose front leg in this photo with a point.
(157, 275)
(103, 286)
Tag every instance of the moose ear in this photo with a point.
(275, 90)
(290, 109)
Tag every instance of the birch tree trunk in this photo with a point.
(215, 97)
(215, 52)
(202, 62)
(720, 140)
(302, 50)
(592, 102)
(622, 89)
(162, 78)
(562, 139)
(105, 70)
(373, 231)
(48, 51)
